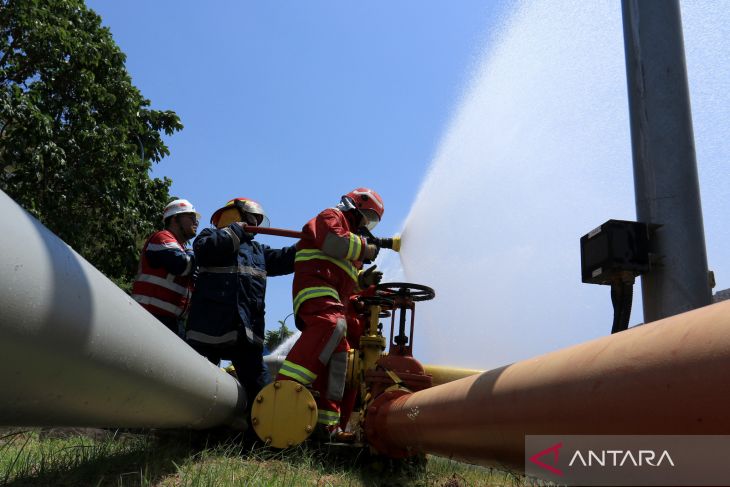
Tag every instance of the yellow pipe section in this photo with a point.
(442, 374)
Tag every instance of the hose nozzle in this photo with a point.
(388, 243)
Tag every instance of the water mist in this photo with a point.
(537, 154)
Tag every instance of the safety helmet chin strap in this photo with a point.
(241, 207)
(347, 206)
(365, 232)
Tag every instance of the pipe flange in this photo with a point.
(374, 425)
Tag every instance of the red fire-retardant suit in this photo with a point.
(325, 276)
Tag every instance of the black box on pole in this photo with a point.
(616, 247)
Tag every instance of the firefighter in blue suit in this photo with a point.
(227, 310)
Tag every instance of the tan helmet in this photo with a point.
(232, 212)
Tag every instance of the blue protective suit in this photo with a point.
(227, 309)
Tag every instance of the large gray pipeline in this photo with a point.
(77, 351)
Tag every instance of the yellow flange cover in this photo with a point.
(284, 414)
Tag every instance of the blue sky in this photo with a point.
(498, 131)
(295, 103)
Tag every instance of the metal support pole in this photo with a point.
(75, 350)
(665, 171)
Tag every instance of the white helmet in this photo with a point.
(179, 206)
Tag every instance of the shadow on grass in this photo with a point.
(356, 462)
(369, 469)
(126, 458)
(190, 458)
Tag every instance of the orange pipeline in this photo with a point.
(668, 377)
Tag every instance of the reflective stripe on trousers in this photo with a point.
(329, 418)
(230, 337)
(337, 376)
(297, 372)
(337, 334)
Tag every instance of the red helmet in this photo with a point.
(231, 212)
(369, 203)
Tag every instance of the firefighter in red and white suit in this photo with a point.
(326, 273)
(164, 281)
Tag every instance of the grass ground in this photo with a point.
(32, 458)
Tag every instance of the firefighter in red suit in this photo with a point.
(327, 272)
(164, 280)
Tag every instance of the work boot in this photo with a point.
(340, 436)
(332, 434)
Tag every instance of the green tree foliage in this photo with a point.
(77, 139)
(274, 338)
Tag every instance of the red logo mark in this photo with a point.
(555, 449)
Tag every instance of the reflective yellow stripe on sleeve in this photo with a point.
(311, 254)
(311, 293)
(353, 251)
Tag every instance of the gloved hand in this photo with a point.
(369, 277)
(370, 252)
